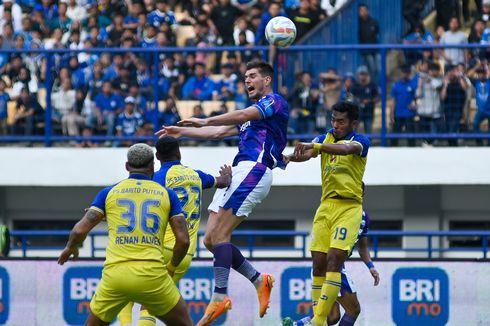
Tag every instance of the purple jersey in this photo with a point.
(264, 140)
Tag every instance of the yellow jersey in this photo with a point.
(342, 174)
(137, 211)
(188, 185)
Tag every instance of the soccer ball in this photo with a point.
(280, 31)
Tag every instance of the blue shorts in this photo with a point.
(347, 283)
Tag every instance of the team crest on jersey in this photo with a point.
(266, 102)
(244, 126)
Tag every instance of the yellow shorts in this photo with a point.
(147, 283)
(183, 266)
(336, 225)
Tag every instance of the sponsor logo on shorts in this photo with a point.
(296, 292)
(196, 288)
(79, 284)
(420, 296)
(4, 295)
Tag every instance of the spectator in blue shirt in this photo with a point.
(418, 36)
(482, 94)
(226, 86)
(161, 15)
(170, 114)
(107, 106)
(4, 98)
(274, 10)
(129, 121)
(198, 87)
(403, 104)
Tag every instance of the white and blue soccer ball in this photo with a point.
(280, 31)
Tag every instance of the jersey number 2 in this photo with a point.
(183, 195)
(146, 216)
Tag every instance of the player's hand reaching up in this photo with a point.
(225, 170)
(301, 148)
(192, 122)
(169, 131)
(66, 253)
(375, 275)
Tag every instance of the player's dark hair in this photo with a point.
(351, 108)
(167, 147)
(264, 68)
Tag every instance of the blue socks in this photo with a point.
(226, 255)
(243, 266)
(222, 263)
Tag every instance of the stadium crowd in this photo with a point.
(113, 93)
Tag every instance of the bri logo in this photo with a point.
(296, 292)
(420, 296)
(79, 284)
(4, 295)
(196, 288)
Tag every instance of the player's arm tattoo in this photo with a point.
(83, 227)
(182, 242)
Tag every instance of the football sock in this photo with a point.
(316, 290)
(330, 291)
(146, 319)
(347, 320)
(243, 266)
(126, 315)
(222, 264)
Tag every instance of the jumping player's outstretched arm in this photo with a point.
(335, 149)
(79, 233)
(305, 156)
(363, 250)
(200, 133)
(231, 118)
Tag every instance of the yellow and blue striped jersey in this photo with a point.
(187, 184)
(137, 211)
(342, 174)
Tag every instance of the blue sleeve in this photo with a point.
(260, 31)
(268, 106)
(175, 207)
(319, 139)
(99, 202)
(207, 180)
(98, 101)
(188, 87)
(365, 143)
(393, 90)
(207, 91)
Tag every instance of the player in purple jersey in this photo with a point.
(262, 129)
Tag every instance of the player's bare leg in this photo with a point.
(334, 316)
(178, 316)
(217, 239)
(93, 320)
(352, 308)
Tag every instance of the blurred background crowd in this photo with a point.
(430, 91)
